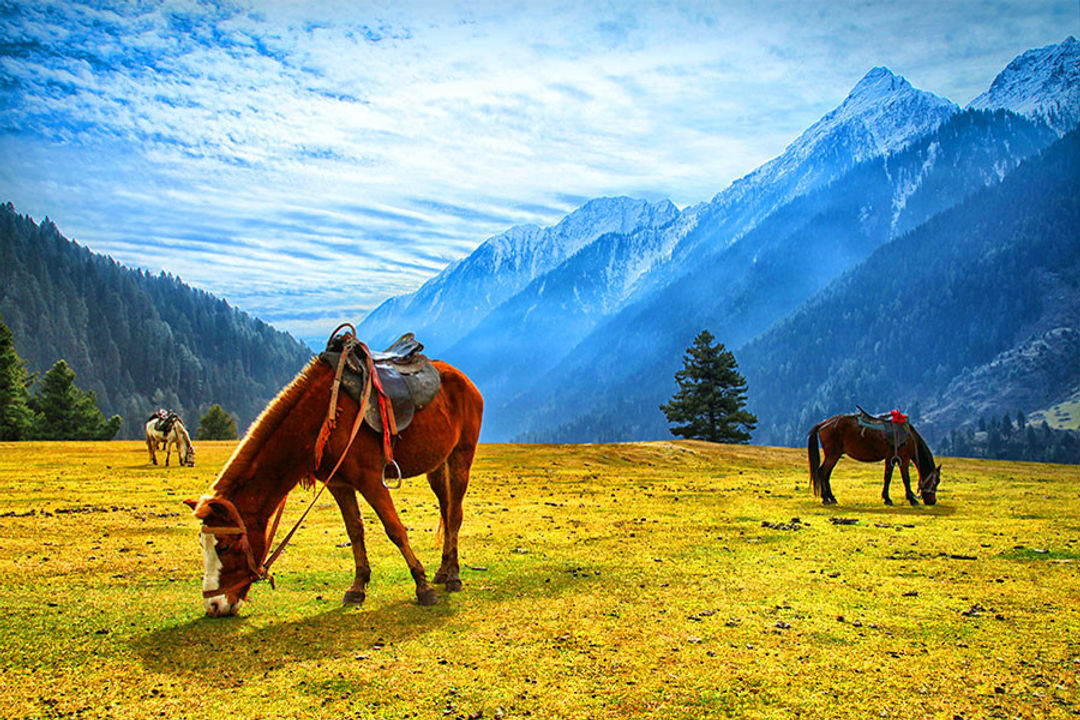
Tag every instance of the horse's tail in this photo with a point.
(440, 532)
(815, 459)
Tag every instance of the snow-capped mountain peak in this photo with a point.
(1042, 83)
(450, 304)
(532, 251)
(882, 114)
(887, 107)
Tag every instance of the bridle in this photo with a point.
(257, 570)
(260, 570)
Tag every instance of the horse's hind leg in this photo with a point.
(454, 478)
(888, 479)
(354, 525)
(439, 480)
(907, 483)
(827, 497)
(151, 446)
(379, 498)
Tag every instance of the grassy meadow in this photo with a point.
(661, 580)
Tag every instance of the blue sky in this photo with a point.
(307, 160)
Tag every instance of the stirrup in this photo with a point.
(397, 468)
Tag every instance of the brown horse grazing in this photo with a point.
(279, 451)
(865, 440)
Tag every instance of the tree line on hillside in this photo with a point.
(138, 341)
(710, 405)
(739, 288)
(58, 410)
(1007, 439)
(53, 407)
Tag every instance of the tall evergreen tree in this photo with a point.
(16, 417)
(216, 424)
(711, 398)
(68, 413)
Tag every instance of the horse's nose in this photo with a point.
(218, 607)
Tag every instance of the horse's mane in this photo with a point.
(924, 459)
(232, 476)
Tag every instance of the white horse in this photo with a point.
(176, 434)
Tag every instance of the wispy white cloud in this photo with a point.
(306, 160)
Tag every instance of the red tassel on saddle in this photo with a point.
(898, 417)
(322, 439)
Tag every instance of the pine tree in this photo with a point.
(16, 418)
(68, 413)
(711, 397)
(216, 424)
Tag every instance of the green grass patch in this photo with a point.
(601, 581)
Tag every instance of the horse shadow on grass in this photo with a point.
(901, 512)
(230, 648)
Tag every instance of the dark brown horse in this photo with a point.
(279, 451)
(866, 441)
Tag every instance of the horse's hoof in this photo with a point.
(427, 597)
(354, 597)
(888, 501)
(914, 502)
(440, 577)
(453, 585)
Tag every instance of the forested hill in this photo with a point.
(140, 341)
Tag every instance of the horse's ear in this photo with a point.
(939, 469)
(208, 505)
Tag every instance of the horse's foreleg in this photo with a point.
(455, 481)
(888, 479)
(907, 483)
(151, 445)
(168, 452)
(379, 498)
(354, 526)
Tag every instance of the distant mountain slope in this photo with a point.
(449, 305)
(139, 341)
(882, 114)
(748, 285)
(557, 310)
(971, 312)
(1043, 83)
(1041, 371)
(585, 344)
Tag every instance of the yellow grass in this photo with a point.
(601, 581)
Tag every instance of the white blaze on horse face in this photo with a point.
(217, 604)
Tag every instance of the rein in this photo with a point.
(261, 570)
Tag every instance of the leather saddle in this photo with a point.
(408, 378)
(882, 423)
(165, 421)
